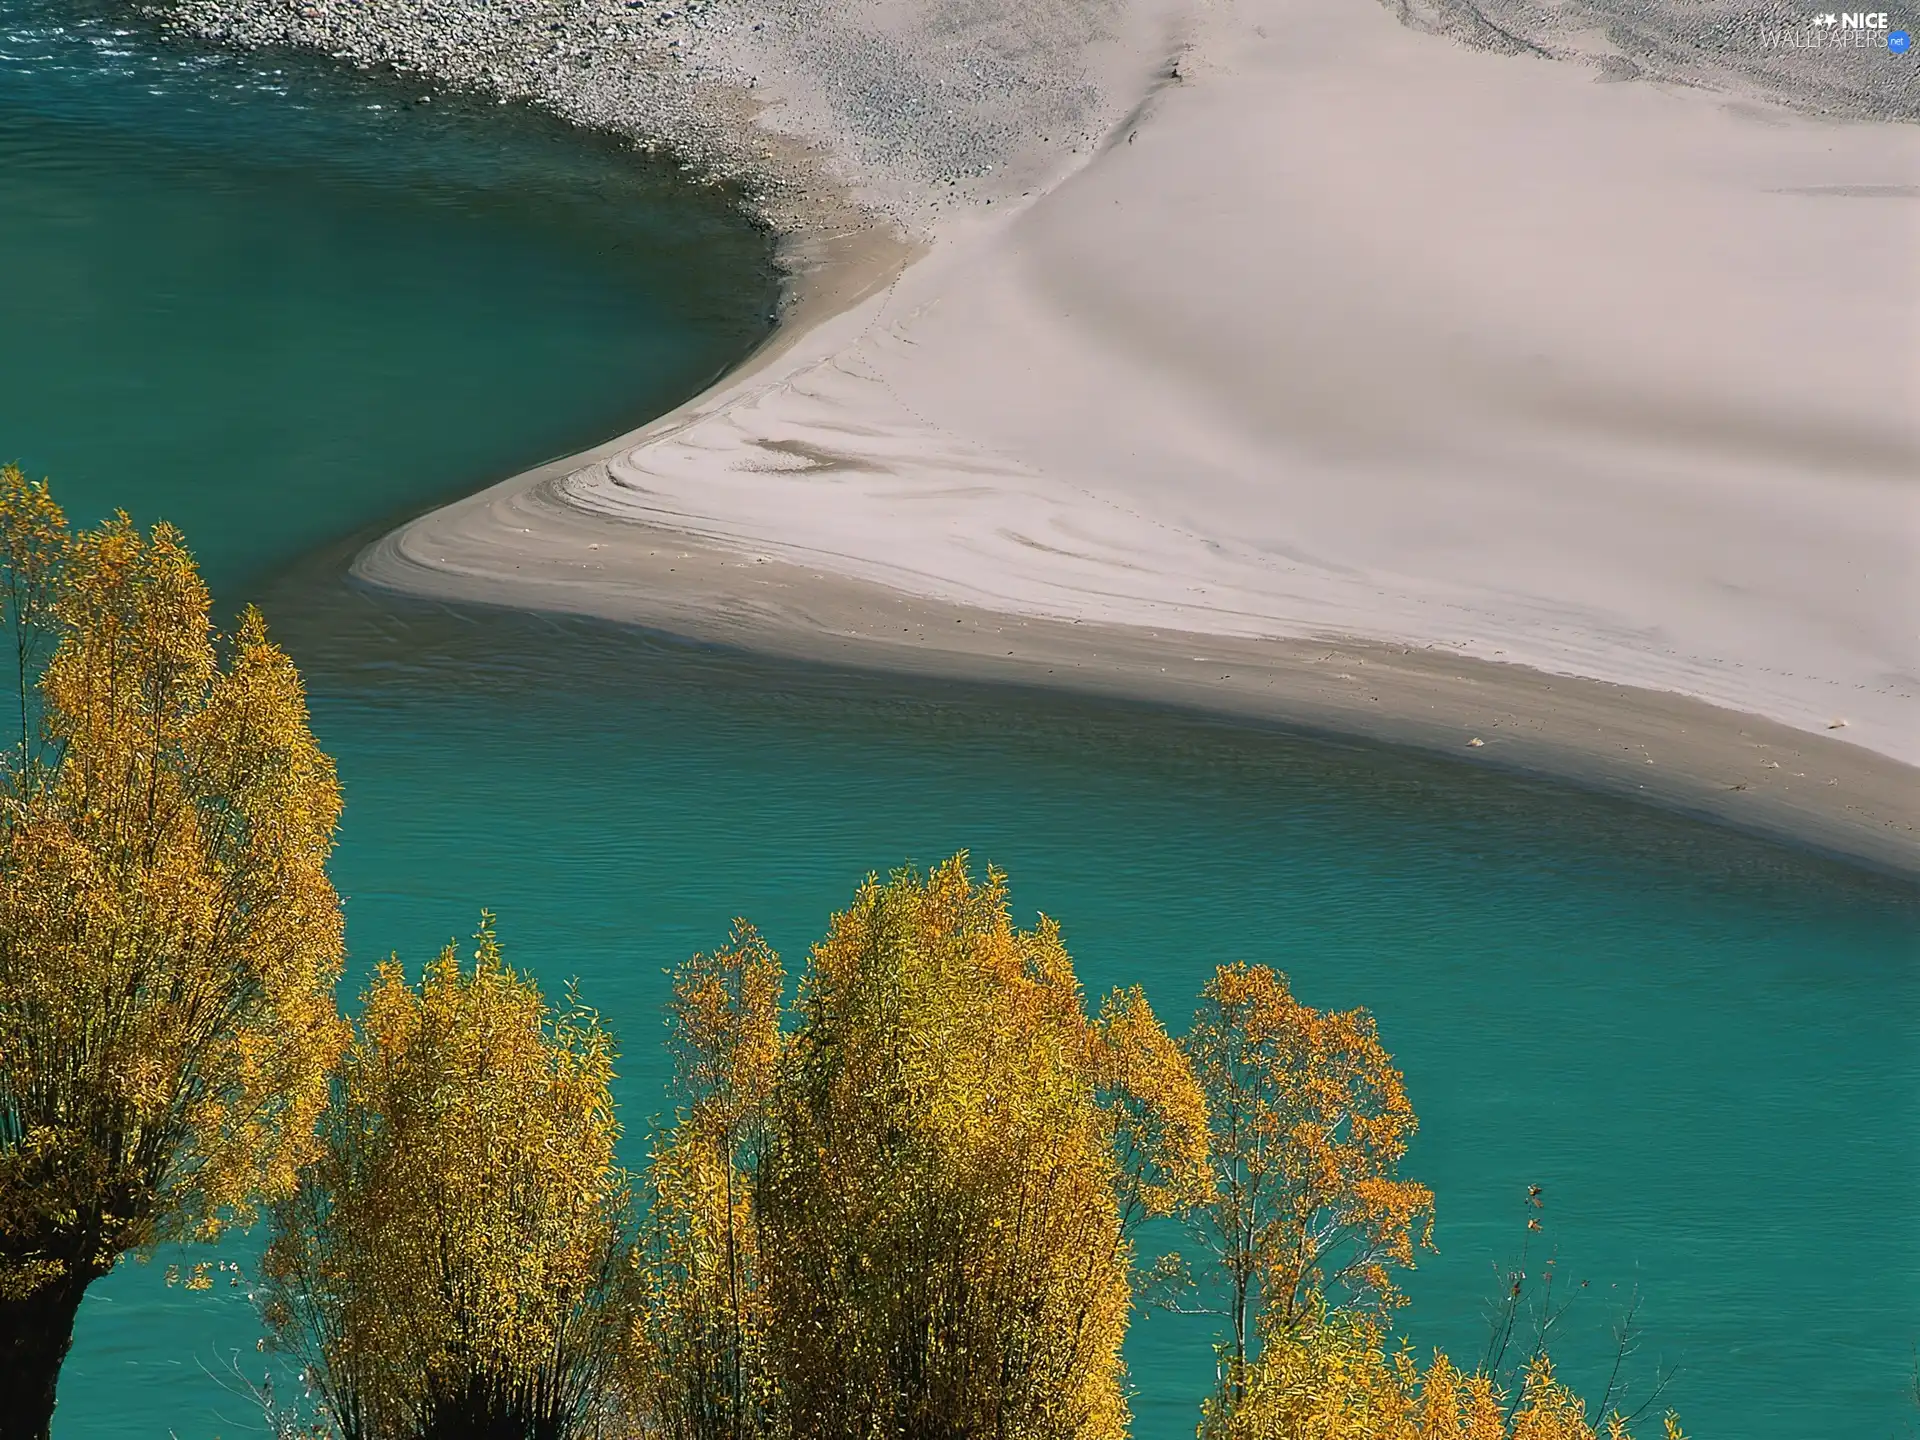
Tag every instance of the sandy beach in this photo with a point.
(1356, 378)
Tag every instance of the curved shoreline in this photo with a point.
(747, 516)
(519, 546)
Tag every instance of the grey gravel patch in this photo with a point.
(1766, 51)
(1463, 21)
(915, 112)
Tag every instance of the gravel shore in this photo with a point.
(963, 104)
(915, 111)
(1770, 50)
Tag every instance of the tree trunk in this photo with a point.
(36, 1331)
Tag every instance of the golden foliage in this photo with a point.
(1158, 1109)
(33, 541)
(1329, 1378)
(1310, 1122)
(456, 1255)
(943, 1238)
(700, 1359)
(911, 1216)
(169, 941)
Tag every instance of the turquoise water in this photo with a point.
(1704, 1048)
(279, 303)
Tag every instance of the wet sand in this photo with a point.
(520, 546)
(1361, 381)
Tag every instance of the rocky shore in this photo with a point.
(801, 101)
(598, 62)
(913, 111)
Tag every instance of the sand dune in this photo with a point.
(1352, 331)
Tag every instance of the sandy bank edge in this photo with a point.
(520, 545)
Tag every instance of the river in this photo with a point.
(282, 306)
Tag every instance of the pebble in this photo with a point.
(902, 105)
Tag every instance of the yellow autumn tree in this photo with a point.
(456, 1262)
(699, 1354)
(169, 941)
(927, 1230)
(1310, 1122)
(1308, 1222)
(1328, 1377)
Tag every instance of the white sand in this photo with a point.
(1354, 331)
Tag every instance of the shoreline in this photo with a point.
(1676, 754)
(872, 487)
